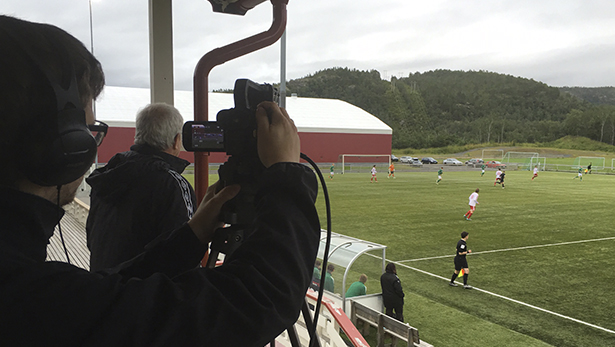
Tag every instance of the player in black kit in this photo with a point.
(461, 261)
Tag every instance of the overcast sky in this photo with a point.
(560, 43)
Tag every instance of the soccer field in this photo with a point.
(543, 262)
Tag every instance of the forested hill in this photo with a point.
(599, 95)
(443, 107)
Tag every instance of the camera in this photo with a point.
(234, 132)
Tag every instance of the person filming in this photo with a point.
(48, 82)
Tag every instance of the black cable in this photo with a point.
(60, 226)
(325, 259)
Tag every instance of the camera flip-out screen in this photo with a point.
(203, 137)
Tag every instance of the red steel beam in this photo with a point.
(217, 57)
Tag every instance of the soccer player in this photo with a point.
(497, 176)
(580, 174)
(461, 262)
(331, 172)
(502, 178)
(358, 287)
(589, 168)
(473, 202)
(535, 172)
(374, 172)
(439, 175)
(483, 168)
(329, 281)
(316, 276)
(391, 171)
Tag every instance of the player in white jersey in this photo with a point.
(374, 172)
(473, 202)
(535, 172)
(497, 176)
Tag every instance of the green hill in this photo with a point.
(443, 108)
(598, 96)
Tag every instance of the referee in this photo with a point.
(461, 262)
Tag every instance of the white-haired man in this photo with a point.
(141, 193)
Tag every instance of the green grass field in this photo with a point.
(548, 244)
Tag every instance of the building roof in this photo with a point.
(118, 107)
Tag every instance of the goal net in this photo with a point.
(492, 154)
(539, 162)
(523, 160)
(365, 162)
(597, 163)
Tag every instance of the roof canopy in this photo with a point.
(344, 250)
(118, 106)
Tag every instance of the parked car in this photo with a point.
(429, 160)
(475, 162)
(394, 158)
(496, 164)
(405, 160)
(451, 161)
(416, 162)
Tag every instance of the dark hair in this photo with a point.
(27, 98)
(330, 267)
(391, 268)
(464, 234)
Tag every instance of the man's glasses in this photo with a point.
(99, 131)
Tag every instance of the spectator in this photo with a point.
(140, 194)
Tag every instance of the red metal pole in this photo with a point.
(219, 56)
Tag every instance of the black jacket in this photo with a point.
(392, 293)
(161, 298)
(137, 196)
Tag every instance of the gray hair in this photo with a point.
(157, 125)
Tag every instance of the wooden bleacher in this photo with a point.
(73, 230)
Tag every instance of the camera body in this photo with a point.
(234, 132)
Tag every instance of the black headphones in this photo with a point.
(72, 148)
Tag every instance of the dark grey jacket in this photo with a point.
(137, 196)
(392, 292)
(161, 298)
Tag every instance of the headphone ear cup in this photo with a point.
(69, 155)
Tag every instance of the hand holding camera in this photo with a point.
(277, 140)
(206, 219)
(276, 134)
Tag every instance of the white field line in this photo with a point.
(513, 300)
(513, 249)
(400, 263)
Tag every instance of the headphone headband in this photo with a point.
(72, 148)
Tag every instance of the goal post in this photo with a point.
(492, 154)
(524, 160)
(540, 162)
(597, 163)
(362, 162)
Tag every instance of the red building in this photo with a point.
(327, 127)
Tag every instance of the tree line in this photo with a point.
(443, 107)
